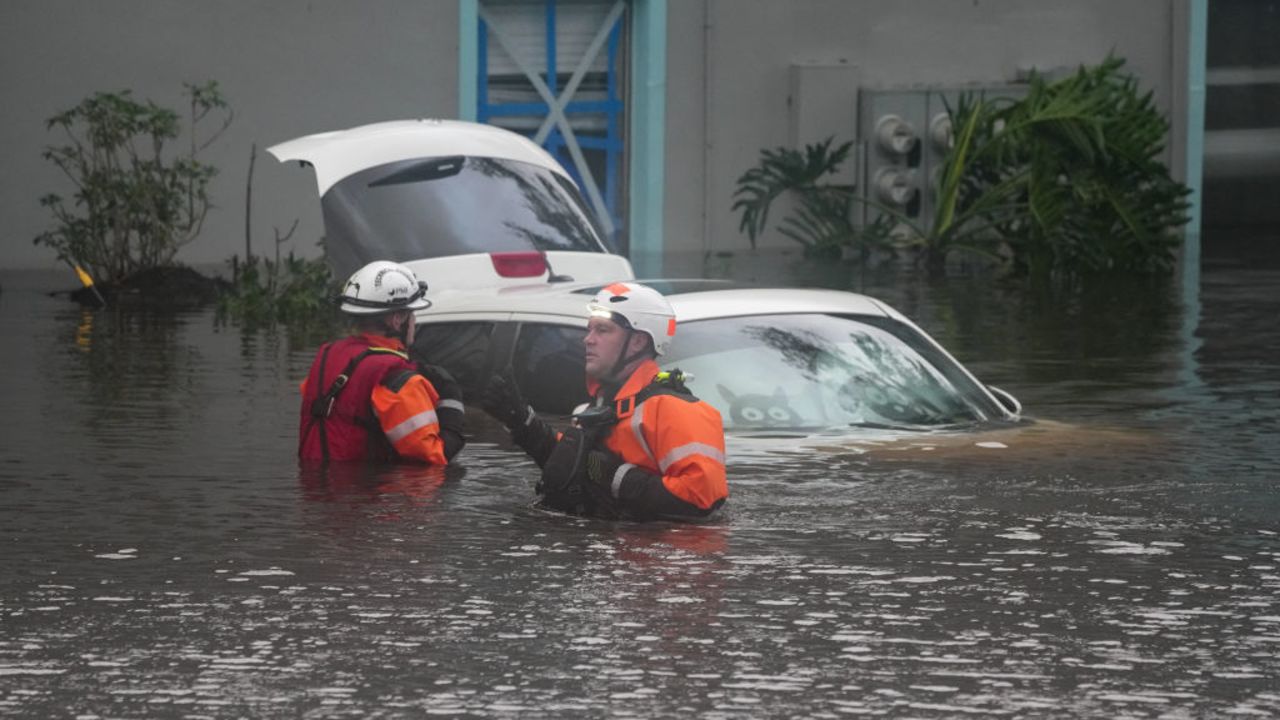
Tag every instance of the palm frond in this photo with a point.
(1069, 175)
(780, 171)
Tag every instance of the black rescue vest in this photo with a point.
(564, 476)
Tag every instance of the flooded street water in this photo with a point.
(161, 554)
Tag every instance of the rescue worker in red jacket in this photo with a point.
(364, 399)
(646, 447)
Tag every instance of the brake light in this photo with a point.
(518, 264)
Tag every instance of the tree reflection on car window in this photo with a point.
(821, 371)
(548, 366)
(462, 348)
(437, 207)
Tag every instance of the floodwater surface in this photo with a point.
(162, 554)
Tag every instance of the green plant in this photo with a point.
(822, 220)
(968, 208)
(294, 291)
(136, 202)
(1066, 180)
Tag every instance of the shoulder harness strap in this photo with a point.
(322, 406)
(664, 383)
(324, 438)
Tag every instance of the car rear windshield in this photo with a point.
(437, 207)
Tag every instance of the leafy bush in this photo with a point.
(823, 217)
(294, 291)
(136, 202)
(1066, 180)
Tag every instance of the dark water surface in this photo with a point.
(161, 555)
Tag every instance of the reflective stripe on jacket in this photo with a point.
(680, 440)
(386, 409)
(406, 409)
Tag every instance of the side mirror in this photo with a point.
(1007, 401)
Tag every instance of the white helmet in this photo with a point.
(638, 307)
(383, 286)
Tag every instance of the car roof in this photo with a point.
(745, 301)
(692, 300)
(341, 153)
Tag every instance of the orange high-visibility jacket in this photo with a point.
(386, 409)
(676, 444)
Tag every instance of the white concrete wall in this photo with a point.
(728, 74)
(287, 67)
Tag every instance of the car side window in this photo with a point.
(548, 367)
(462, 348)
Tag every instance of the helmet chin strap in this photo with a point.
(623, 360)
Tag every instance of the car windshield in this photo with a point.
(436, 207)
(824, 371)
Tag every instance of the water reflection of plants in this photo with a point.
(134, 364)
(1110, 327)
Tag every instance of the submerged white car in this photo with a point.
(769, 359)
(500, 234)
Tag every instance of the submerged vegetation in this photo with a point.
(137, 202)
(292, 291)
(267, 292)
(1064, 181)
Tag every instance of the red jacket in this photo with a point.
(386, 409)
(676, 443)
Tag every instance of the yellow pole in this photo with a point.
(87, 280)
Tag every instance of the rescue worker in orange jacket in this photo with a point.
(364, 399)
(646, 447)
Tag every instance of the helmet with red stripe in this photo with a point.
(637, 307)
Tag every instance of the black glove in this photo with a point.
(501, 398)
(602, 465)
(444, 383)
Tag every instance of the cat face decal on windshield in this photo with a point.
(759, 410)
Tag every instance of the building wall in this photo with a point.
(292, 67)
(287, 67)
(729, 75)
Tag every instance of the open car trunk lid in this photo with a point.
(416, 190)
